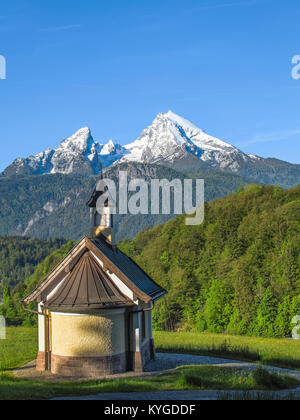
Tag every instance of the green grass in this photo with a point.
(19, 347)
(276, 352)
(256, 396)
(184, 378)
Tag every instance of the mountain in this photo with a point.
(175, 142)
(78, 154)
(170, 141)
(48, 197)
(237, 273)
(19, 257)
(54, 205)
(171, 137)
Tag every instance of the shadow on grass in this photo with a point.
(256, 396)
(187, 378)
(230, 351)
(225, 350)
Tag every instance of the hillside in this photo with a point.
(12, 297)
(19, 257)
(238, 272)
(52, 206)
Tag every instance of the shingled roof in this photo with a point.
(114, 262)
(129, 268)
(87, 288)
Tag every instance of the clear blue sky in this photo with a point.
(113, 65)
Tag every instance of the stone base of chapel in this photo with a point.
(96, 367)
(88, 367)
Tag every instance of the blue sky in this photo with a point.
(113, 65)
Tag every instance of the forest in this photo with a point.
(19, 257)
(12, 297)
(54, 206)
(236, 273)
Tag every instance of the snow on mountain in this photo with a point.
(111, 153)
(171, 137)
(38, 164)
(254, 157)
(169, 140)
(78, 154)
(108, 148)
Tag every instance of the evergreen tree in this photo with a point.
(218, 308)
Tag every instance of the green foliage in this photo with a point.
(11, 308)
(218, 307)
(23, 200)
(268, 380)
(239, 272)
(266, 310)
(283, 353)
(19, 257)
(6, 295)
(21, 347)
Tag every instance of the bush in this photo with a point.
(268, 380)
(187, 381)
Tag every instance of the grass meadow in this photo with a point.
(21, 347)
(271, 351)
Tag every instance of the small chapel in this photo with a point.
(95, 307)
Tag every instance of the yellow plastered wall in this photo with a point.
(88, 336)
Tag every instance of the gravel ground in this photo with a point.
(162, 363)
(182, 396)
(166, 361)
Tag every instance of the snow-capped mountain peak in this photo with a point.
(198, 136)
(181, 121)
(170, 139)
(108, 148)
(78, 142)
(78, 154)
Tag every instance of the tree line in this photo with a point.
(237, 273)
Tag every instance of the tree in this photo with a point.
(282, 326)
(263, 324)
(218, 308)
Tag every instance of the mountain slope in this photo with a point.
(170, 141)
(175, 142)
(171, 136)
(55, 205)
(238, 272)
(78, 154)
(19, 257)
